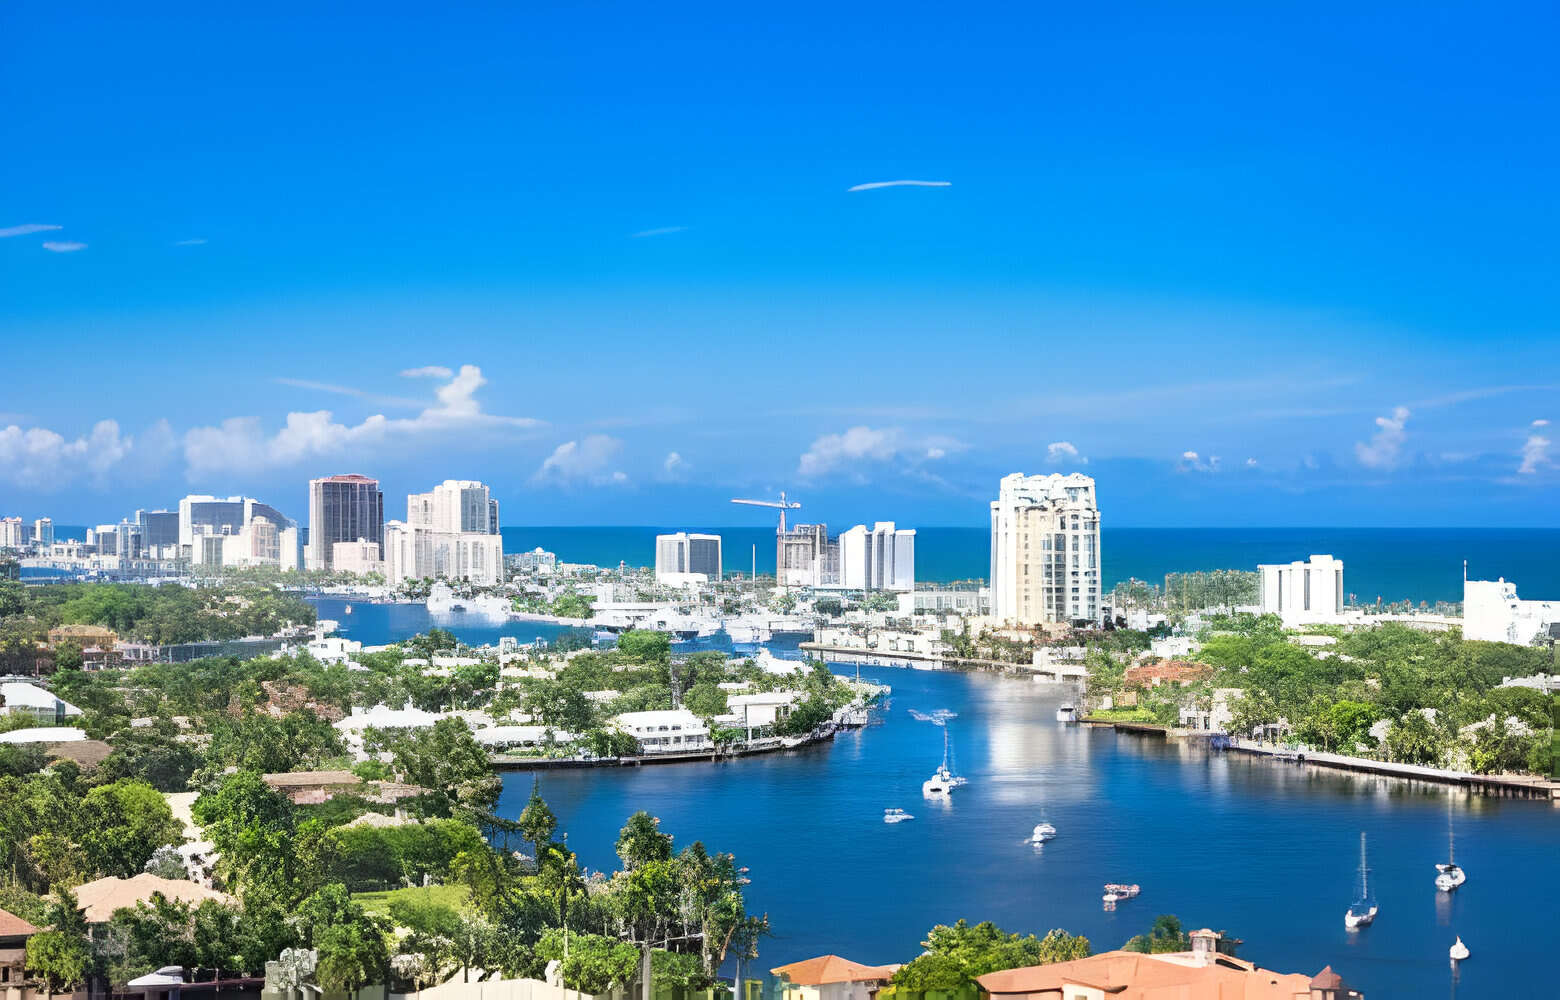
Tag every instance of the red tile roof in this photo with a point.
(1126, 975)
(13, 926)
(833, 969)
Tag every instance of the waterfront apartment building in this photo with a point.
(1045, 549)
(1303, 593)
(159, 533)
(451, 532)
(43, 532)
(347, 508)
(881, 557)
(684, 555)
(1492, 612)
(12, 535)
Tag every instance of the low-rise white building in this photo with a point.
(358, 558)
(756, 711)
(665, 730)
(1304, 593)
(333, 649)
(686, 558)
(1492, 612)
(22, 698)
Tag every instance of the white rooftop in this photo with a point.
(19, 694)
(44, 734)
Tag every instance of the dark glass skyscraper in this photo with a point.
(343, 509)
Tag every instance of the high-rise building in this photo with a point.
(11, 533)
(222, 531)
(43, 532)
(679, 555)
(451, 532)
(343, 509)
(159, 533)
(881, 557)
(1303, 593)
(1045, 549)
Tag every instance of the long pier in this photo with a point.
(1485, 784)
(504, 762)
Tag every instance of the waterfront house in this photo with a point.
(666, 730)
(758, 710)
(1204, 973)
(830, 977)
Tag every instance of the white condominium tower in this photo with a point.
(451, 532)
(1045, 549)
(682, 555)
(343, 509)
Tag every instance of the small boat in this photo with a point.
(1450, 875)
(1042, 833)
(896, 816)
(1123, 891)
(1363, 912)
(1111, 897)
(1458, 951)
(942, 782)
(1067, 713)
(347, 610)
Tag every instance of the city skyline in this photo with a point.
(623, 268)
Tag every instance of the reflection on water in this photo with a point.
(1264, 850)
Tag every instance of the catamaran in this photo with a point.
(1042, 833)
(1364, 909)
(1451, 876)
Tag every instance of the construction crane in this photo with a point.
(783, 505)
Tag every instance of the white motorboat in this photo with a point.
(1067, 713)
(1450, 874)
(1122, 891)
(1458, 951)
(896, 816)
(1042, 833)
(347, 610)
(1363, 912)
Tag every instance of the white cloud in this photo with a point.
(241, 443)
(428, 371)
(27, 229)
(347, 390)
(1251, 463)
(1191, 461)
(1535, 451)
(662, 231)
(861, 445)
(855, 445)
(1387, 443)
(1063, 451)
(63, 246)
(874, 185)
(674, 465)
(583, 461)
(41, 458)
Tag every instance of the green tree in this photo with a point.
(956, 955)
(446, 759)
(1164, 937)
(641, 842)
(63, 960)
(1413, 740)
(123, 823)
(537, 821)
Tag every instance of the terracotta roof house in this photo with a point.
(1129, 975)
(1167, 672)
(14, 932)
(99, 899)
(830, 977)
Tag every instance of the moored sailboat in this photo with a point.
(1363, 912)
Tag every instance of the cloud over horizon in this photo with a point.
(585, 460)
(875, 185)
(1385, 446)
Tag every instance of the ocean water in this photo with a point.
(1418, 564)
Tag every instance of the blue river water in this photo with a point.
(1265, 851)
(1419, 564)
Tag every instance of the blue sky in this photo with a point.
(1246, 264)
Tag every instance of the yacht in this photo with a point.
(896, 816)
(1458, 951)
(347, 610)
(1042, 833)
(1449, 876)
(1363, 912)
(942, 782)
(1122, 891)
(1067, 713)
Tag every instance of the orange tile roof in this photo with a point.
(13, 926)
(1127, 975)
(99, 899)
(832, 969)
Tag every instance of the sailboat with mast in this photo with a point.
(1363, 912)
(1450, 874)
